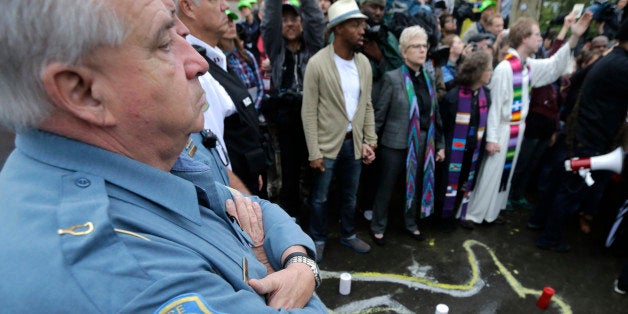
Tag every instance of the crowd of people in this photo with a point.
(470, 115)
(151, 139)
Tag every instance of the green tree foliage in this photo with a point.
(552, 9)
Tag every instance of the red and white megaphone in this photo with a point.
(612, 161)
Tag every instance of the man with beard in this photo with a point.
(338, 122)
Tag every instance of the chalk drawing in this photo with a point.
(471, 287)
(374, 305)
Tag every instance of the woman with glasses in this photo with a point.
(411, 141)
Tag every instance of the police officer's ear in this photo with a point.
(186, 7)
(71, 90)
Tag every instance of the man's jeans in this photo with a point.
(347, 170)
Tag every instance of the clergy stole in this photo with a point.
(462, 132)
(515, 118)
(412, 160)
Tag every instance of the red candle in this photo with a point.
(545, 298)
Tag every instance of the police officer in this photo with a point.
(94, 220)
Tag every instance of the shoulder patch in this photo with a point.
(186, 303)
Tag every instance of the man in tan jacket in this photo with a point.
(338, 122)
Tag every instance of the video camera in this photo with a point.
(439, 55)
(602, 10)
(372, 32)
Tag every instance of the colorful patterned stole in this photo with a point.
(412, 160)
(463, 131)
(515, 118)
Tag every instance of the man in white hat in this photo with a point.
(338, 122)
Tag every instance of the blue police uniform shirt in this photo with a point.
(87, 230)
(214, 171)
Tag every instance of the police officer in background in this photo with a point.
(94, 220)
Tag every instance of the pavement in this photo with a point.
(490, 269)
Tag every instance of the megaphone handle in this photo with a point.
(588, 179)
(586, 175)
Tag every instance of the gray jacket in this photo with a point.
(392, 113)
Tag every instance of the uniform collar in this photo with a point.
(163, 188)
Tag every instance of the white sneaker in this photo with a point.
(368, 215)
(616, 287)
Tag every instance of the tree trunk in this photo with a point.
(529, 8)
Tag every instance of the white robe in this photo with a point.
(486, 200)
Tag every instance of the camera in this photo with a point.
(602, 10)
(439, 55)
(372, 32)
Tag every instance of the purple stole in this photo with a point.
(462, 131)
(515, 118)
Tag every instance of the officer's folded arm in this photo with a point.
(293, 285)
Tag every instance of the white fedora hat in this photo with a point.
(343, 10)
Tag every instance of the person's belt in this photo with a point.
(349, 135)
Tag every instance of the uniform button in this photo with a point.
(82, 182)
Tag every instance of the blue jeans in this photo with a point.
(347, 169)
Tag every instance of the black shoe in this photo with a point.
(617, 289)
(418, 237)
(447, 226)
(379, 241)
(560, 247)
(498, 221)
(467, 224)
(534, 226)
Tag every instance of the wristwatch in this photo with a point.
(303, 258)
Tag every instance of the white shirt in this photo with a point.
(220, 104)
(350, 83)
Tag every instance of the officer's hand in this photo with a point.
(249, 217)
(248, 214)
(318, 164)
(289, 288)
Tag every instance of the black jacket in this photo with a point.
(603, 105)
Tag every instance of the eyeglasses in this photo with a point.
(419, 46)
